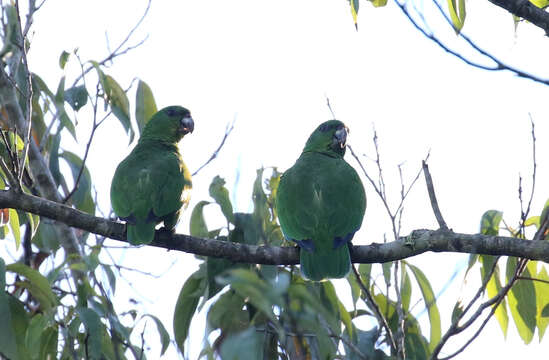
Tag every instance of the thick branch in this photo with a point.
(418, 242)
(526, 10)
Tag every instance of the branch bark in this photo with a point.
(420, 241)
(526, 10)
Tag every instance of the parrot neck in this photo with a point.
(329, 153)
(157, 142)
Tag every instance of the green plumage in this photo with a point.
(152, 183)
(321, 202)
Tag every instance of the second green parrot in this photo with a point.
(152, 183)
(320, 203)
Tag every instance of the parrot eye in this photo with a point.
(171, 112)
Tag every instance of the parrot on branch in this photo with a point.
(320, 203)
(152, 183)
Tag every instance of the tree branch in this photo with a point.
(526, 10)
(423, 240)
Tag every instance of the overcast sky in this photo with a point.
(270, 66)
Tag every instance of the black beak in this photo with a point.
(341, 136)
(187, 125)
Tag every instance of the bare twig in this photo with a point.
(28, 95)
(120, 50)
(499, 64)
(228, 130)
(432, 197)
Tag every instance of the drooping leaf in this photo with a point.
(82, 197)
(8, 343)
(92, 324)
(246, 345)
(379, 3)
(430, 304)
(59, 102)
(185, 308)
(227, 314)
(39, 285)
(522, 302)
(76, 96)
(542, 300)
(145, 106)
(198, 224)
(220, 194)
(492, 288)
(405, 288)
(14, 227)
(162, 332)
(63, 59)
(354, 11)
(489, 223)
(457, 14)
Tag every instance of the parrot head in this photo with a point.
(329, 138)
(169, 124)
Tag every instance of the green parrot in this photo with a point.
(320, 203)
(152, 183)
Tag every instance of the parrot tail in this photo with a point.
(318, 265)
(142, 233)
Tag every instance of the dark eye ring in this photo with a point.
(171, 112)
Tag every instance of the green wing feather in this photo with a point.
(144, 185)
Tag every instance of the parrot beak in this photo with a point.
(340, 136)
(187, 125)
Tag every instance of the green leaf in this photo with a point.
(489, 223)
(457, 14)
(77, 97)
(364, 270)
(220, 194)
(430, 304)
(228, 314)
(387, 272)
(63, 59)
(48, 343)
(59, 102)
(542, 300)
(522, 302)
(92, 323)
(54, 158)
(120, 106)
(185, 308)
(8, 343)
(405, 288)
(39, 285)
(251, 340)
(258, 292)
(532, 220)
(110, 277)
(37, 325)
(164, 336)
(198, 224)
(354, 11)
(145, 106)
(492, 288)
(82, 197)
(540, 3)
(379, 3)
(14, 226)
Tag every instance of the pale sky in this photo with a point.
(271, 65)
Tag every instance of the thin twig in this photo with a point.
(432, 197)
(28, 95)
(500, 65)
(228, 130)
